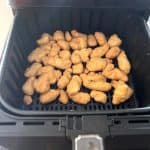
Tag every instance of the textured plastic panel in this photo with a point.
(30, 23)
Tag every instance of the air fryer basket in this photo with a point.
(30, 23)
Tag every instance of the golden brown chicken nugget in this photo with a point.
(74, 85)
(27, 87)
(100, 51)
(84, 54)
(68, 36)
(49, 96)
(75, 58)
(63, 98)
(32, 70)
(27, 100)
(113, 52)
(63, 82)
(92, 40)
(80, 98)
(45, 69)
(37, 55)
(65, 54)
(77, 69)
(122, 92)
(100, 37)
(76, 34)
(99, 96)
(123, 62)
(47, 46)
(92, 76)
(114, 41)
(45, 38)
(54, 50)
(96, 64)
(58, 35)
(64, 45)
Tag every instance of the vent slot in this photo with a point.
(7, 123)
(138, 121)
(33, 123)
(55, 123)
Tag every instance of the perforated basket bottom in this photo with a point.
(91, 106)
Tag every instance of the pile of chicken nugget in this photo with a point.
(73, 61)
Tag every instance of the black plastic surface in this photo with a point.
(29, 23)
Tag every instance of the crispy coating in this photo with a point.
(74, 85)
(123, 62)
(54, 50)
(32, 70)
(80, 98)
(57, 62)
(92, 76)
(84, 54)
(45, 38)
(78, 43)
(65, 54)
(45, 69)
(63, 82)
(114, 73)
(42, 84)
(49, 96)
(27, 100)
(100, 51)
(96, 64)
(86, 70)
(58, 35)
(91, 40)
(114, 40)
(100, 37)
(63, 98)
(37, 55)
(68, 72)
(99, 96)
(64, 45)
(77, 69)
(47, 46)
(122, 92)
(68, 36)
(76, 34)
(58, 74)
(113, 52)
(27, 87)
(75, 58)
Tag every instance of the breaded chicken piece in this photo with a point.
(37, 55)
(65, 54)
(99, 96)
(49, 96)
(92, 76)
(123, 62)
(113, 52)
(68, 72)
(45, 38)
(78, 43)
(68, 36)
(45, 69)
(42, 84)
(114, 41)
(47, 46)
(77, 69)
(122, 92)
(54, 50)
(32, 70)
(27, 87)
(58, 74)
(27, 100)
(74, 85)
(84, 54)
(63, 82)
(92, 40)
(100, 51)
(96, 64)
(86, 70)
(63, 98)
(80, 98)
(76, 34)
(114, 73)
(100, 37)
(64, 45)
(58, 35)
(57, 62)
(75, 58)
